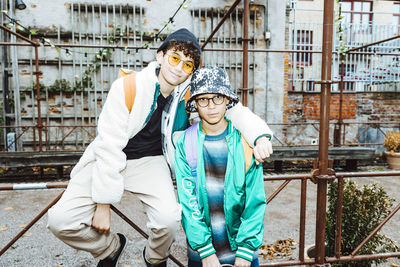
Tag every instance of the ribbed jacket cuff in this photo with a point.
(206, 251)
(266, 135)
(245, 253)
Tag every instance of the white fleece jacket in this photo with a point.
(116, 125)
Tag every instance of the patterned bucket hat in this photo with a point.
(210, 80)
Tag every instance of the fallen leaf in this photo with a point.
(394, 265)
(4, 228)
(27, 234)
(9, 208)
(21, 225)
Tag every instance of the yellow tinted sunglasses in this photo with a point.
(174, 60)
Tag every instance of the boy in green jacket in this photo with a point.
(220, 187)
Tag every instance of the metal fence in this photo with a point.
(77, 78)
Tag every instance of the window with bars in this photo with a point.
(304, 41)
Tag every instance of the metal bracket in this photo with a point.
(316, 175)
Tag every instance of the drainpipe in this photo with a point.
(323, 174)
(266, 60)
(5, 76)
(245, 64)
(15, 74)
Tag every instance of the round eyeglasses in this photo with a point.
(205, 101)
(174, 60)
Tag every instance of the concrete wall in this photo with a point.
(58, 21)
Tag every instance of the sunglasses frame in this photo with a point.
(170, 56)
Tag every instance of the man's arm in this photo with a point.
(112, 137)
(254, 129)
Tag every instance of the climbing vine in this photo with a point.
(340, 35)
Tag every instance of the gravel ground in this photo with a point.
(40, 248)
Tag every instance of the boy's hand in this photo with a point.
(101, 218)
(211, 261)
(262, 150)
(240, 262)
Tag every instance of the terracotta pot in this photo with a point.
(393, 159)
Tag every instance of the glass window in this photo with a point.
(396, 8)
(357, 6)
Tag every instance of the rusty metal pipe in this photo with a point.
(288, 263)
(375, 230)
(326, 73)
(363, 257)
(276, 192)
(18, 35)
(303, 205)
(374, 43)
(39, 120)
(230, 10)
(32, 186)
(245, 63)
(29, 225)
(140, 231)
(339, 211)
(204, 50)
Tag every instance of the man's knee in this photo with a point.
(168, 223)
(57, 221)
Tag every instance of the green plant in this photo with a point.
(363, 210)
(60, 85)
(392, 141)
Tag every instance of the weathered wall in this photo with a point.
(61, 22)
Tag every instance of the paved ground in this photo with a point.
(40, 248)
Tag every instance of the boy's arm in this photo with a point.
(251, 231)
(112, 137)
(253, 128)
(197, 231)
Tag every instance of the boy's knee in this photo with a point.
(57, 221)
(169, 222)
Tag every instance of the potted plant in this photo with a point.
(363, 210)
(392, 144)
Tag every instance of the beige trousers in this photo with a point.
(149, 179)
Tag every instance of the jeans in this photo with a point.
(191, 263)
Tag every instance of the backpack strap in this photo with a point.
(130, 90)
(191, 155)
(248, 153)
(191, 148)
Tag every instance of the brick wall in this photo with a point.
(311, 104)
(383, 106)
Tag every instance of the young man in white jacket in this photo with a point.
(133, 151)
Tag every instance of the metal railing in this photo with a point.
(375, 69)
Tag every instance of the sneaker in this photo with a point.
(112, 262)
(148, 264)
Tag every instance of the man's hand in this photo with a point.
(211, 261)
(240, 262)
(101, 219)
(262, 150)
